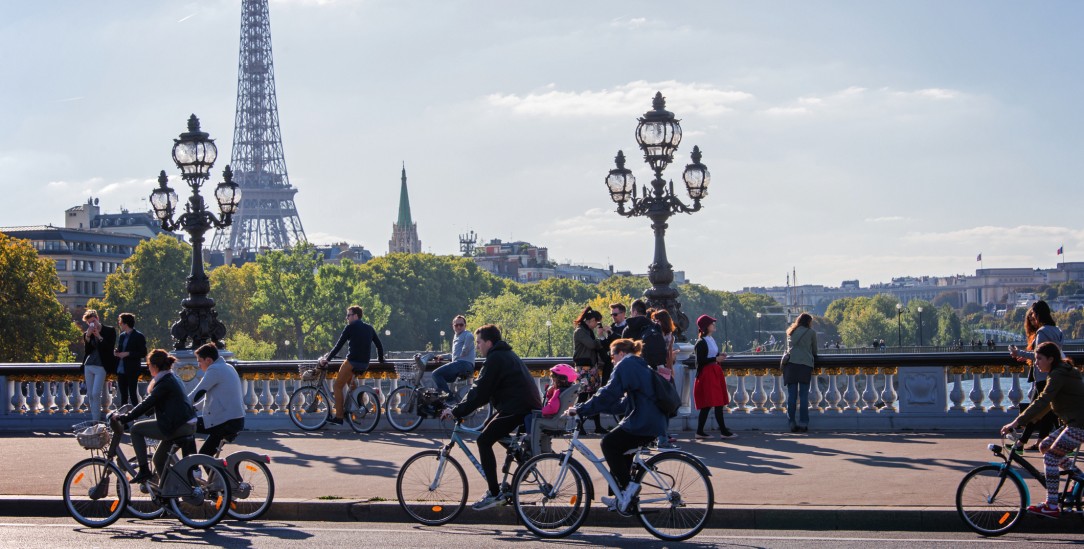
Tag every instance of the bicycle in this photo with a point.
(432, 495)
(410, 403)
(310, 405)
(992, 498)
(96, 490)
(670, 492)
(250, 479)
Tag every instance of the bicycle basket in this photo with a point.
(307, 372)
(92, 435)
(406, 372)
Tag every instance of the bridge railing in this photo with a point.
(879, 391)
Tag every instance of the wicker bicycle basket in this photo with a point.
(92, 435)
(307, 371)
(406, 371)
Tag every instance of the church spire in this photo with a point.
(404, 232)
(404, 203)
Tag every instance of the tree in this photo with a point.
(233, 289)
(36, 326)
(150, 285)
(245, 347)
(524, 327)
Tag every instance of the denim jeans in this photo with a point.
(798, 395)
(95, 378)
(449, 373)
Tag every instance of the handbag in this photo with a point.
(786, 356)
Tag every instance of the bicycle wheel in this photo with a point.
(309, 408)
(95, 492)
(549, 509)
(208, 500)
(254, 491)
(431, 491)
(141, 503)
(477, 418)
(676, 497)
(401, 408)
(363, 412)
(989, 501)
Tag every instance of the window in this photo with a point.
(61, 265)
(78, 287)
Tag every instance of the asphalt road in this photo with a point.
(53, 533)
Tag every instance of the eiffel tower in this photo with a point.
(267, 217)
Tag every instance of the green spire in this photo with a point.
(404, 204)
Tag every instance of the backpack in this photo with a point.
(666, 396)
(654, 345)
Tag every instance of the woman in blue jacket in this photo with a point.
(630, 387)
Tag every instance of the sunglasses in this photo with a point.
(458, 325)
(617, 313)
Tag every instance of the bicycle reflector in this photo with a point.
(437, 508)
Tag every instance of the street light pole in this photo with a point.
(549, 341)
(759, 334)
(442, 332)
(195, 153)
(658, 135)
(899, 325)
(920, 326)
(726, 333)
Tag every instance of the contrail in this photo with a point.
(186, 18)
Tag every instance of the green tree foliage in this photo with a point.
(244, 347)
(524, 326)
(624, 285)
(36, 326)
(233, 289)
(150, 285)
(338, 287)
(424, 292)
(554, 291)
(948, 326)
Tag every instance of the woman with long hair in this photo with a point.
(709, 389)
(587, 344)
(1063, 394)
(1039, 326)
(798, 371)
(662, 318)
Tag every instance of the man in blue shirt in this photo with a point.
(462, 359)
(362, 337)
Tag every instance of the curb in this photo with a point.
(804, 517)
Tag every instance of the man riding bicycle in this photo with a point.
(1064, 394)
(361, 337)
(506, 384)
(219, 395)
(462, 359)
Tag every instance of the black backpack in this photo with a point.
(667, 398)
(654, 345)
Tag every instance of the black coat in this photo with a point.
(504, 382)
(137, 351)
(634, 327)
(169, 402)
(104, 347)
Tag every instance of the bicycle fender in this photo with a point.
(1015, 473)
(173, 486)
(233, 459)
(696, 461)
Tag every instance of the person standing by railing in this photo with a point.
(131, 350)
(1040, 328)
(709, 389)
(798, 371)
(587, 344)
(98, 360)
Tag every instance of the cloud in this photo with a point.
(594, 224)
(885, 219)
(186, 18)
(623, 100)
(631, 23)
(995, 234)
(327, 239)
(853, 98)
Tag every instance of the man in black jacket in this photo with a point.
(637, 321)
(506, 384)
(131, 350)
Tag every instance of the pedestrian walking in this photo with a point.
(709, 389)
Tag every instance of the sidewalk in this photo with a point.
(819, 480)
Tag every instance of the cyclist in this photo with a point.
(1064, 394)
(362, 337)
(462, 359)
(506, 384)
(631, 384)
(221, 398)
(174, 416)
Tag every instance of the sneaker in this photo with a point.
(335, 420)
(667, 446)
(726, 433)
(610, 502)
(141, 478)
(1045, 509)
(601, 430)
(487, 501)
(702, 436)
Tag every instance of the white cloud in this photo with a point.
(631, 23)
(623, 100)
(885, 219)
(989, 233)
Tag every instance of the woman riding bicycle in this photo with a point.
(174, 416)
(631, 384)
(1064, 394)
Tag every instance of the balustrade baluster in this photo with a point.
(888, 395)
(851, 396)
(107, 398)
(956, 396)
(13, 401)
(976, 395)
(869, 396)
(1016, 394)
(250, 395)
(266, 399)
(282, 399)
(759, 395)
(833, 395)
(741, 396)
(35, 398)
(65, 396)
(996, 396)
(815, 394)
(779, 396)
(80, 398)
(50, 398)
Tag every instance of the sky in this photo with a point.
(845, 139)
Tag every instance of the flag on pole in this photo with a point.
(1061, 250)
(979, 258)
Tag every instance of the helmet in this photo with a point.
(565, 370)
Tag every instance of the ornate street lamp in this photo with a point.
(726, 333)
(899, 325)
(549, 341)
(920, 326)
(659, 134)
(759, 333)
(195, 153)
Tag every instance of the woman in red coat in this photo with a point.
(709, 391)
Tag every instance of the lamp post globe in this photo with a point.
(194, 153)
(726, 333)
(658, 135)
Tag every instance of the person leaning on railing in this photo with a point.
(1064, 395)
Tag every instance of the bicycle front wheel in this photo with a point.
(550, 506)
(676, 497)
(254, 491)
(95, 492)
(363, 411)
(477, 418)
(431, 490)
(141, 502)
(207, 500)
(402, 409)
(309, 408)
(990, 501)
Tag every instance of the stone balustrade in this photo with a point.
(868, 392)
